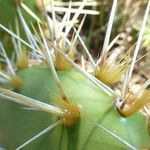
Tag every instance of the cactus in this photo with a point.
(8, 11)
(49, 102)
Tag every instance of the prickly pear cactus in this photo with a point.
(18, 125)
(67, 108)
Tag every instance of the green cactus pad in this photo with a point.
(18, 125)
(8, 12)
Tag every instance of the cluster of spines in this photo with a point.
(40, 50)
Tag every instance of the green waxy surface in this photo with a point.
(18, 125)
(8, 11)
(8, 16)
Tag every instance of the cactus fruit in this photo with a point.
(79, 111)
